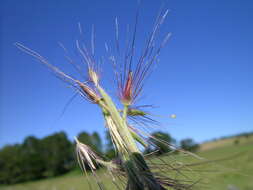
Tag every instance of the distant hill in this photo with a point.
(243, 138)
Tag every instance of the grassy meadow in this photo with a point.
(229, 167)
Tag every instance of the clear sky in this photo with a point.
(204, 75)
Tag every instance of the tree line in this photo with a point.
(55, 154)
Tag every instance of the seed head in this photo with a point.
(93, 76)
(127, 91)
(89, 93)
(84, 154)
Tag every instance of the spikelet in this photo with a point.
(89, 93)
(85, 155)
(93, 76)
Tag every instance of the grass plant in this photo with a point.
(132, 171)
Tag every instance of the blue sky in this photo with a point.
(204, 75)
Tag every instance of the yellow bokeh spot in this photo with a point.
(173, 116)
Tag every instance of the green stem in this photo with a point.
(125, 111)
(119, 121)
(139, 175)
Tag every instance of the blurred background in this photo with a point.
(200, 91)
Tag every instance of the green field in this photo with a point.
(233, 172)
